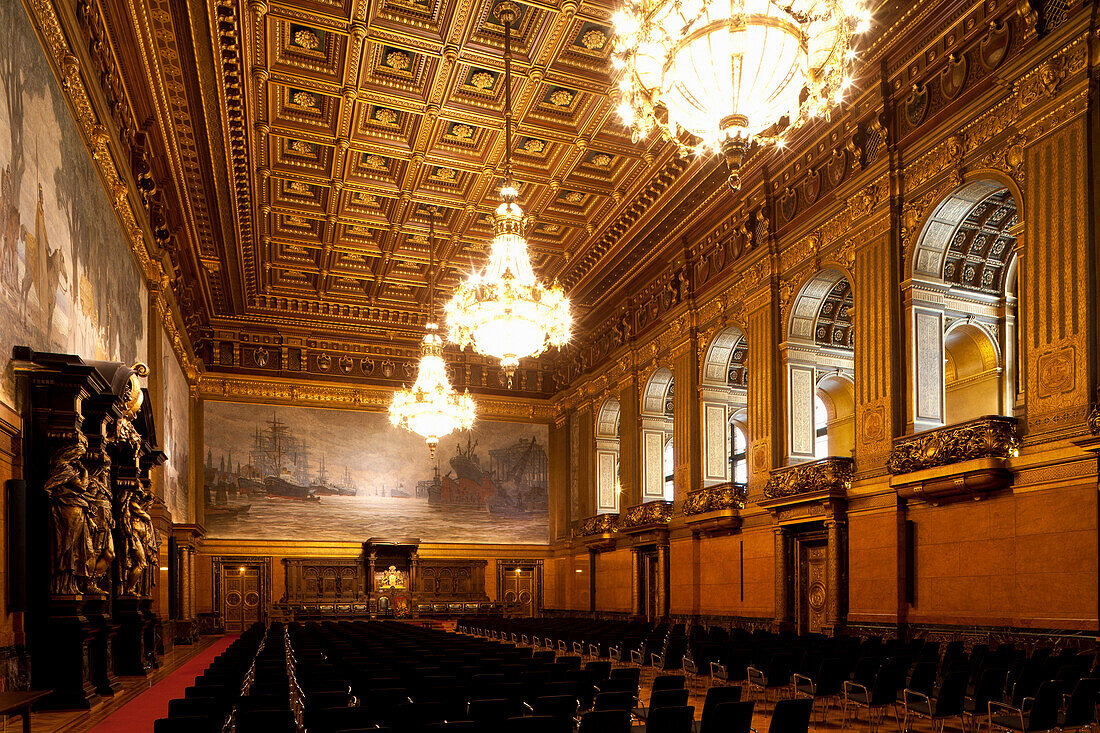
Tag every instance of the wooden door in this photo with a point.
(242, 596)
(650, 585)
(519, 591)
(812, 583)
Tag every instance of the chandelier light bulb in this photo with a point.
(719, 75)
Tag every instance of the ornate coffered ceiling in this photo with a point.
(308, 140)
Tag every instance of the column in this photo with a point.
(370, 571)
(834, 557)
(765, 410)
(591, 581)
(782, 571)
(687, 451)
(635, 582)
(414, 571)
(662, 580)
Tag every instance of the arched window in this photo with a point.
(961, 309)
(724, 393)
(607, 457)
(739, 455)
(657, 438)
(669, 471)
(819, 350)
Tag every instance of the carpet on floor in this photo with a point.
(138, 715)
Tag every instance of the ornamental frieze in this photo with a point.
(985, 437)
(652, 514)
(830, 475)
(601, 524)
(722, 497)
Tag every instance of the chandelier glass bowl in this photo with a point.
(432, 408)
(503, 311)
(715, 75)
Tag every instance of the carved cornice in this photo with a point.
(723, 497)
(985, 437)
(829, 475)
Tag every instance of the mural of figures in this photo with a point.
(296, 473)
(175, 433)
(67, 279)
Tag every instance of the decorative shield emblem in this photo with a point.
(993, 47)
(788, 204)
(812, 187)
(387, 369)
(324, 362)
(346, 364)
(916, 105)
(953, 78)
(838, 166)
(367, 365)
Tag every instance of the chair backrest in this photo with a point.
(184, 724)
(537, 724)
(718, 695)
(627, 673)
(556, 706)
(952, 695)
(492, 710)
(620, 685)
(668, 698)
(605, 721)
(1081, 709)
(791, 716)
(923, 678)
(614, 701)
(667, 682)
(728, 717)
(670, 720)
(1044, 711)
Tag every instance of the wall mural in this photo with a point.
(175, 432)
(67, 279)
(296, 473)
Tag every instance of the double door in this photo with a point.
(242, 594)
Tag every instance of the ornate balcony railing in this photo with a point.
(652, 514)
(601, 524)
(986, 437)
(833, 475)
(715, 498)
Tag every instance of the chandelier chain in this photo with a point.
(506, 15)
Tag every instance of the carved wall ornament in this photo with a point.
(953, 77)
(864, 201)
(916, 104)
(646, 516)
(811, 187)
(1093, 417)
(71, 513)
(716, 498)
(832, 475)
(600, 524)
(788, 203)
(993, 47)
(838, 166)
(985, 437)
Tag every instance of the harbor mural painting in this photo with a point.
(68, 281)
(175, 436)
(299, 473)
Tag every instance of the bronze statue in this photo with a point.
(139, 538)
(71, 539)
(102, 524)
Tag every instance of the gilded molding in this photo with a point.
(833, 475)
(646, 516)
(986, 437)
(601, 524)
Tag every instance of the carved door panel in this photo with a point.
(519, 592)
(812, 583)
(241, 597)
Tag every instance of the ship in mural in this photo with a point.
(264, 482)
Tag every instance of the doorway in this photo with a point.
(811, 552)
(649, 583)
(519, 587)
(242, 594)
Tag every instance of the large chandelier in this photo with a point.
(715, 75)
(432, 408)
(503, 311)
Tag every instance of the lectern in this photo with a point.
(391, 576)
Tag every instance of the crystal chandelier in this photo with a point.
(432, 408)
(716, 75)
(503, 310)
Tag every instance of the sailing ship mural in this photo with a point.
(296, 473)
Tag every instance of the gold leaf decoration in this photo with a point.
(461, 131)
(385, 115)
(307, 39)
(594, 40)
(534, 145)
(482, 80)
(304, 99)
(561, 98)
(397, 60)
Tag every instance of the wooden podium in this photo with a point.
(391, 576)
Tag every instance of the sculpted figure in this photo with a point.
(140, 538)
(101, 525)
(71, 541)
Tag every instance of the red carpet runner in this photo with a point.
(137, 716)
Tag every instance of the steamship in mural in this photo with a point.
(296, 473)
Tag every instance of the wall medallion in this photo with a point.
(788, 204)
(916, 105)
(346, 364)
(838, 166)
(388, 369)
(1057, 372)
(367, 365)
(260, 357)
(812, 187)
(324, 362)
(993, 47)
(953, 78)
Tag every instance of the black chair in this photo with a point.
(990, 686)
(791, 716)
(186, 724)
(202, 707)
(453, 726)
(947, 704)
(668, 699)
(619, 685)
(1041, 715)
(774, 677)
(559, 707)
(1080, 709)
(670, 720)
(605, 721)
(882, 693)
(266, 721)
(493, 712)
(826, 685)
(537, 724)
(717, 696)
(342, 718)
(728, 717)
